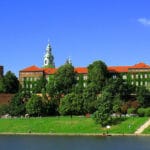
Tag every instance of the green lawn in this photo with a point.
(66, 125)
(147, 130)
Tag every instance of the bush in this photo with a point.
(34, 106)
(141, 112)
(147, 112)
(4, 109)
(131, 111)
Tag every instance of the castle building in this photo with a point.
(138, 74)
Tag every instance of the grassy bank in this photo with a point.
(147, 130)
(67, 125)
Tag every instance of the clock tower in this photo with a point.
(49, 58)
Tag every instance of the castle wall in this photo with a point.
(5, 98)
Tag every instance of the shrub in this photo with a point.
(4, 109)
(141, 112)
(147, 112)
(131, 111)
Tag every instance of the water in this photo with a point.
(73, 143)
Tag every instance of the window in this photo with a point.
(141, 83)
(47, 78)
(132, 82)
(114, 76)
(84, 84)
(132, 76)
(141, 76)
(145, 83)
(85, 77)
(137, 76)
(124, 76)
(145, 75)
(77, 78)
(137, 83)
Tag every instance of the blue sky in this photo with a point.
(114, 31)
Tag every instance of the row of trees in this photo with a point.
(64, 95)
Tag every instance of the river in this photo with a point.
(19, 142)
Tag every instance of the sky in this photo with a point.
(114, 31)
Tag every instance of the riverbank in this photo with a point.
(71, 134)
(68, 126)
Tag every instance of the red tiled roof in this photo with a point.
(141, 65)
(82, 70)
(118, 69)
(49, 70)
(32, 68)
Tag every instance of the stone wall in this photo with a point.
(5, 98)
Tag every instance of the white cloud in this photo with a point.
(144, 21)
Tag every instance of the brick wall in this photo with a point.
(5, 98)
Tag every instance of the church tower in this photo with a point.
(49, 58)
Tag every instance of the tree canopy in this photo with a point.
(65, 78)
(98, 74)
(9, 83)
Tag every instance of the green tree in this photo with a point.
(117, 104)
(2, 87)
(103, 114)
(9, 83)
(120, 87)
(65, 78)
(90, 98)
(71, 104)
(143, 96)
(40, 85)
(17, 105)
(98, 74)
(34, 106)
(4, 109)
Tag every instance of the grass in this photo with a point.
(67, 125)
(129, 126)
(147, 130)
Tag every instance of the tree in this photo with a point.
(40, 85)
(65, 78)
(98, 74)
(120, 87)
(103, 114)
(143, 96)
(71, 104)
(2, 87)
(90, 98)
(4, 109)
(34, 106)
(9, 83)
(117, 104)
(17, 105)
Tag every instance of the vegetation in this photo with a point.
(34, 106)
(9, 83)
(147, 130)
(67, 125)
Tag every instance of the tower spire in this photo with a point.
(48, 57)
